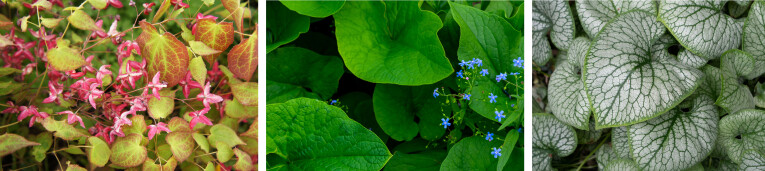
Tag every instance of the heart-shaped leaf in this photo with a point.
(82, 20)
(222, 133)
(159, 109)
(297, 72)
(735, 96)
(595, 14)
(319, 9)
(618, 64)
(754, 37)
(568, 98)
(312, 134)
(201, 141)
(127, 151)
(663, 143)
(550, 137)
(246, 93)
(216, 35)
(742, 131)
(243, 58)
(63, 58)
(472, 153)
(555, 18)
(395, 108)
(700, 26)
(198, 69)
(138, 127)
(224, 152)
(289, 27)
(181, 144)
(165, 54)
(391, 42)
(752, 160)
(237, 12)
(234, 109)
(178, 124)
(244, 160)
(12, 142)
(62, 129)
(99, 154)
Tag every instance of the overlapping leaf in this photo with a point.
(568, 98)
(395, 108)
(735, 95)
(216, 35)
(742, 131)
(165, 54)
(297, 72)
(290, 25)
(12, 142)
(319, 9)
(550, 137)
(700, 26)
(553, 17)
(471, 153)
(127, 151)
(754, 37)
(243, 58)
(595, 14)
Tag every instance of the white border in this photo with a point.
(261, 87)
(527, 85)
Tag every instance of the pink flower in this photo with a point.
(88, 67)
(125, 49)
(158, 128)
(99, 33)
(31, 111)
(199, 116)
(147, 8)
(74, 74)
(28, 69)
(128, 76)
(114, 3)
(137, 104)
(94, 93)
(215, 73)
(114, 34)
(206, 97)
(187, 84)
(12, 109)
(53, 92)
(102, 72)
(72, 118)
(179, 4)
(155, 85)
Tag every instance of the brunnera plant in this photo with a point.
(170, 84)
(649, 85)
(371, 85)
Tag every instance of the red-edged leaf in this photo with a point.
(237, 13)
(165, 54)
(82, 20)
(243, 58)
(178, 124)
(181, 144)
(246, 93)
(244, 162)
(128, 152)
(216, 36)
(12, 142)
(63, 58)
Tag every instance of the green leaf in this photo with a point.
(742, 131)
(9, 70)
(99, 154)
(159, 109)
(568, 99)
(222, 133)
(243, 58)
(664, 142)
(312, 134)
(289, 27)
(12, 142)
(40, 151)
(246, 93)
(170, 164)
(181, 144)
(508, 149)
(615, 77)
(319, 9)
(10, 87)
(244, 160)
(74, 167)
(82, 20)
(201, 141)
(391, 42)
(517, 19)
(216, 35)
(62, 58)
(234, 109)
(427, 160)
(710, 83)
(622, 164)
(165, 54)
(620, 140)
(98, 4)
(752, 160)
(472, 153)
(224, 151)
(198, 69)
(202, 49)
(395, 108)
(555, 18)
(735, 95)
(550, 137)
(138, 127)
(497, 48)
(297, 72)
(606, 154)
(595, 14)
(62, 129)
(700, 26)
(178, 124)
(127, 151)
(754, 37)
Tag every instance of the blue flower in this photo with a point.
(459, 74)
(470, 66)
(492, 98)
(445, 122)
(514, 73)
(488, 136)
(466, 97)
(500, 115)
(501, 76)
(518, 62)
(484, 72)
(333, 102)
(519, 130)
(463, 63)
(512, 105)
(477, 62)
(435, 93)
(496, 152)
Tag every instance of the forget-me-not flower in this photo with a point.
(477, 62)
(496, 152)
(435, 93)
(463, 63)
(500, 115)
(466, 97)
(445, 122)
(518, 62)
(333, 102)
(501, 76)
(459, 74)
(488, 136)
(519, 130)
(492, 98)
(484, 72)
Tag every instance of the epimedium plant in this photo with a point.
(375, 83)
(142, 99)
(648, 85)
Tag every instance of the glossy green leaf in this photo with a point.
(222, 133)
(395, 109)
(700, 26)
(63, 58)
(391, 42)
(164, 53)
(297, 72)
(677, 139)
(181, 144)
(290, 25)
(427, 160)
(595, 14)
(550, 137)
(318, 9)
(99, 154)
(742, 131)
(163, 107)
(568, 98)
(735, 95)
(754, 37)
(472, 153)
(312, 134)
(127, 151)
(12, 142)
(616, 69)
(508, 148)
(553, 17)
(62, 129)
